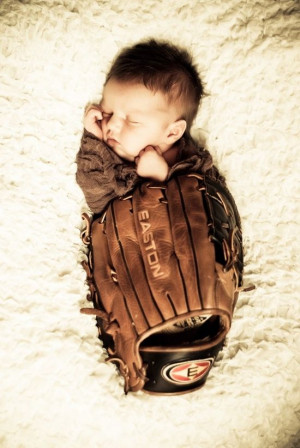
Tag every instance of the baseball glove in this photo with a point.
(164, 270)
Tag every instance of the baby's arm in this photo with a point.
(92, 121)
(150, 163)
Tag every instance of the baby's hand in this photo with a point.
(150, 163)
(92, 121)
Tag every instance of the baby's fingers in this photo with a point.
(93, 112)
(98, 115)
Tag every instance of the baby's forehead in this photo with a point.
(132, 94)
(136, 96)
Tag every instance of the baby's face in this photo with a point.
(134, 117)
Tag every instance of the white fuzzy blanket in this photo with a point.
(55, 389)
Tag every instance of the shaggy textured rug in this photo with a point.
(55, 389)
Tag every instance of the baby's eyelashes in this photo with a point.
(129, 120)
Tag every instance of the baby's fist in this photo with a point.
(150, 163)
(92, 121)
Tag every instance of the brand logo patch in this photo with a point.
(187, 372)
(149, 244)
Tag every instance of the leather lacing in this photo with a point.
(86, 232)
(230, 253)
(95, 312)
(124, 370)
(112, 328)
(232, 257)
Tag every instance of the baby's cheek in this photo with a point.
(132, 144)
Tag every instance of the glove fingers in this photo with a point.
(128, 264)
(154, 234)
(190, 234)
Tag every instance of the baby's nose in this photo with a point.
(114, 124)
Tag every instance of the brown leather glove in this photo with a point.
(164, 269)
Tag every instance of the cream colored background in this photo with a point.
(55, 389)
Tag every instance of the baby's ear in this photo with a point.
(176, 130)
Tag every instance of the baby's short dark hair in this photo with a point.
(163, 67)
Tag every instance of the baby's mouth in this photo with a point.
(111, 141)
